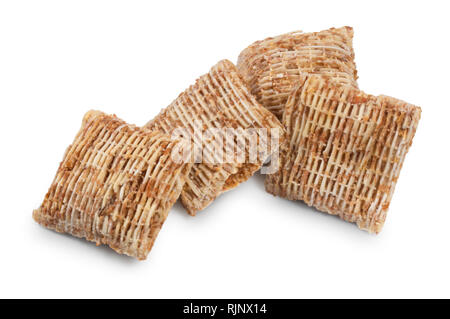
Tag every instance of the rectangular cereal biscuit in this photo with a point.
(219, 100)
(115, 185)
(345, 150)
(272, 67)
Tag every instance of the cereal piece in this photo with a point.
(115, 185)
(345, 150)
(272, 67)
(219, 100)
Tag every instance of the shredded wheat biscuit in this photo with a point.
(218, 99)
(345, 150)
(272, 67)
(115, 185)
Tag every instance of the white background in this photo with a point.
(58, 59)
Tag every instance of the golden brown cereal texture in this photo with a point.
(272, 67)
(345, 150)
(115, 185)
(219, 99)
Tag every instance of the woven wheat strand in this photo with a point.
(272, 67)
(218, 99)
(345, 150)
(115, 185)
